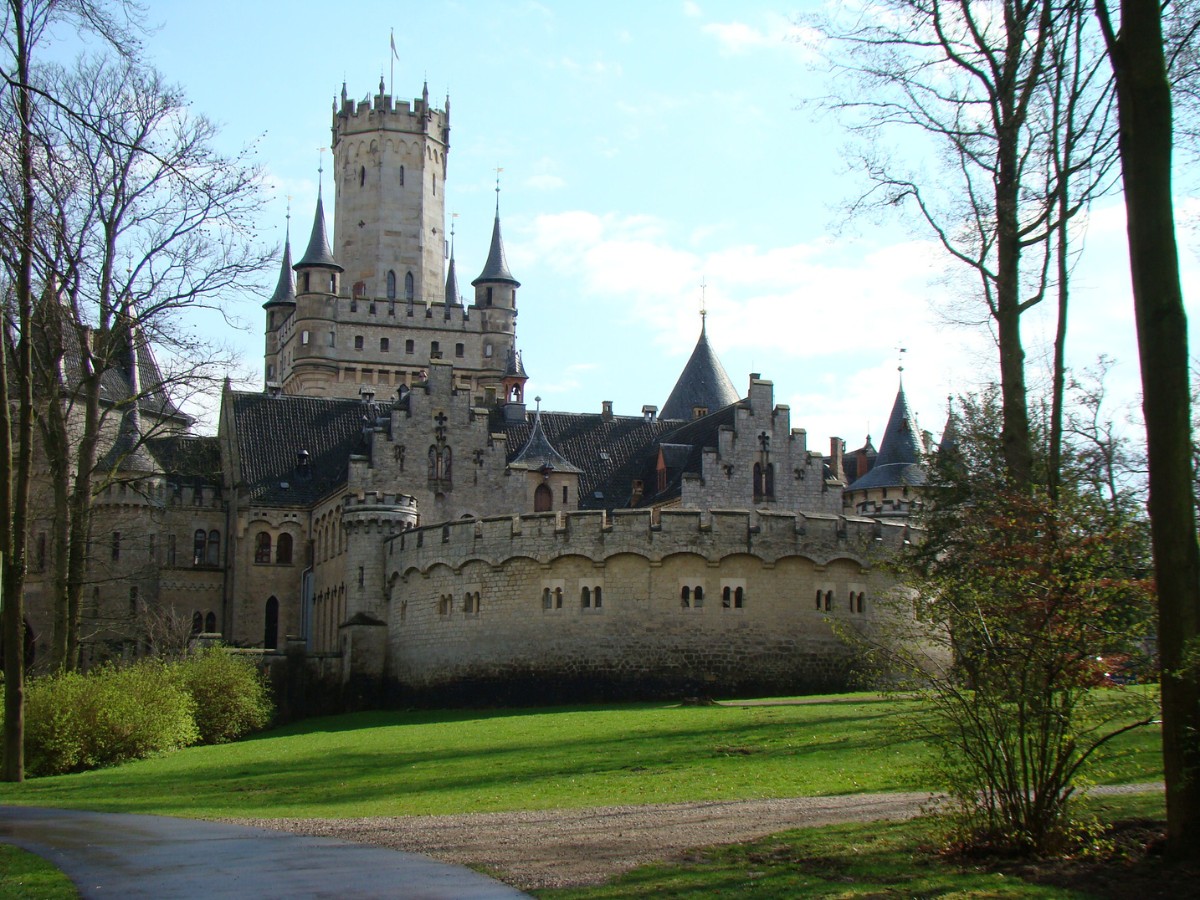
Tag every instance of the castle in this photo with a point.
(391, 510)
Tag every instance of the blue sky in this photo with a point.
(646, 147)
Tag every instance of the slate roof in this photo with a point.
(898, 463)
(609, 452)
(128, 452)
(539, 453)
(285, 290)
(318, 252)
(188, 457)
(453, 297)
(271, 430)
(115, 384)
(703, 382)
(496, 267)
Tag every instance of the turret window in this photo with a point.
(488, 299)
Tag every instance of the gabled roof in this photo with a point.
(318, 252)
(898, 463)
(703, 383)
(496, 267)
(271, 431)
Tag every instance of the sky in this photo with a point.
(655, 156)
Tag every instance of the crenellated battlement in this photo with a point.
(713, 534)
(383, 112)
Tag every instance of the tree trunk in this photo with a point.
(1144, 109)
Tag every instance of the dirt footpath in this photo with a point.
(560, 848)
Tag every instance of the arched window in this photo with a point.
(271, 625)
(409, 286)
(726, 597)
(197, 622)
(198, 543)
(598, 597)
(769, 480)
(698, 597)
(685, 597)
(446, 464)
(758, 481)
(819, 596)
(558, 598)
(543, 499)
(210, 622)
(739, 597)
(402, 174)
(213, 557)
(283, 549)
(433, 463)
(391, 285)
(262, 547)
(362, 175)
(545, 598)
(828, 600)
(585, 598)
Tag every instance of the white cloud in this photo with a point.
(735, 38)
(545, 182)
(691, 9)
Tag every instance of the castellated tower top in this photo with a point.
(390, 165)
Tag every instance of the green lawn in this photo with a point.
(414, 763)
(874, 860)
(25, 874)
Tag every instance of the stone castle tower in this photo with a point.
(371, 312)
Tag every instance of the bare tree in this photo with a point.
(1136, 49)
(141, 221)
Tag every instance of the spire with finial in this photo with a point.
(453, 297)
(318, 252)
(285, 290)
(703, 304)
(496, 267)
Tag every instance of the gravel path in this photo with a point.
(567, 847)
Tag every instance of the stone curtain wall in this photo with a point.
(474, 610)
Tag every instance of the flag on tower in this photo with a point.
(395, 55)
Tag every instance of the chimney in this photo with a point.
(649, 412)
(606, 412)
(837, 449)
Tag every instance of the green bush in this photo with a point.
(230, 694)
(75, 722)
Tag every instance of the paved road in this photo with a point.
(127, 856)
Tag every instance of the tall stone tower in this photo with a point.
(390, 174)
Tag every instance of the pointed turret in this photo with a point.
(496, 270)
(453, 297)
(285, 290)
(318, 252)
(703, 386)
(899, 463)
(539, 454)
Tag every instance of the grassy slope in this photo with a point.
(480, 761)
(25, 874)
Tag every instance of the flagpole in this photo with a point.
(392, 65)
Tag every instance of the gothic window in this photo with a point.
(819, 597)
(558, 598)
(585, 598)
(213, 555)
(543, 499)
(598, 597)
(409, 286)
(271, 625)
(198, 544)
(283, 549)
(546, 598)
(197, 622)
(769, 481)
(433, 463)
(402, 175)
(758, 481)
(685, 597)
(726, 597)
(698, 597)
(739, 597)
(391, 285)
(210, 622)
(446, 464)
(828, 600)
(262, 547)
(362, 175)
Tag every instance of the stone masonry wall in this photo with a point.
(496, 610)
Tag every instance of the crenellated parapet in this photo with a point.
(654, 535)
(379, 512)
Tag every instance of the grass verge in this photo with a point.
(24, 874)
(892, 859)
(412, 763)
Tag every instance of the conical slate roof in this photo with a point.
(514, 366)
(539, 453)
(496, 267)
(318, 252)
(899, 461)
(703, 383)
(128, 452)
(453, 297)
(285, 290)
